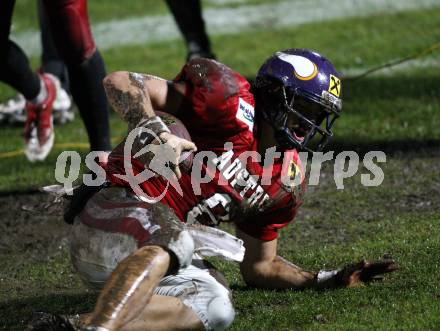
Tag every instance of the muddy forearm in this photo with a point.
(288, 275)
(127, 95)
(280, 274)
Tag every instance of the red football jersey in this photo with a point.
(236, 185)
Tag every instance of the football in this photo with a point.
(177, 128)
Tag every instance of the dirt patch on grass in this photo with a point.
(31, 225)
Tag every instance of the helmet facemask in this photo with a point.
(313, 115)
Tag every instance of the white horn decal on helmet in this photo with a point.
(304, 69)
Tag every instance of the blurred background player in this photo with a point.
(38, 89)
(72, 36)
(188, 16)
(13, 110)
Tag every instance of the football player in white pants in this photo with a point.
(149, 267)
(153, 280)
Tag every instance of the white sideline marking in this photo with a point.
(424, 63)
(148, 29)
(226, 2)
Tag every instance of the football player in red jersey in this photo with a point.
(147, 257)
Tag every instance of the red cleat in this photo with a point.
(38, 131)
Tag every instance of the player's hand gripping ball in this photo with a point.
(178, 129)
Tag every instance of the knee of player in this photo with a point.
(221, 312)
(183, 248)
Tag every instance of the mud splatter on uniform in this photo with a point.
(219, 108)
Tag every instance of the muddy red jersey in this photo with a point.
(229, 181)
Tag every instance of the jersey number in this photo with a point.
(210, 211)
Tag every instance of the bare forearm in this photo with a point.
(263, 268)
(280, 274)
(287, 275)
(127, 95)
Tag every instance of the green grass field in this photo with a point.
(396, 111)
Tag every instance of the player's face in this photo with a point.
(311, 110)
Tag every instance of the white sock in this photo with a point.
(42, 95)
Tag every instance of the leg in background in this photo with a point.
(72, 35)
(188, 16)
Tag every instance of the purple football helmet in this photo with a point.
(303, 83)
